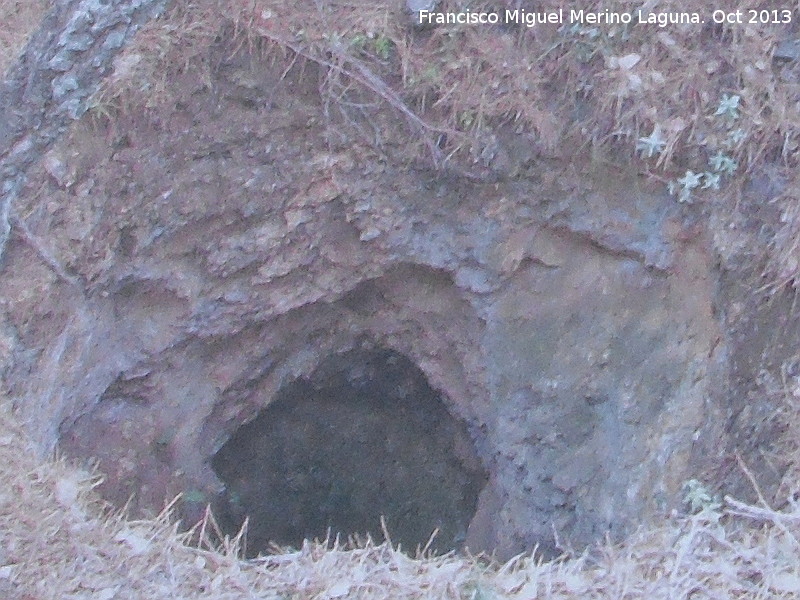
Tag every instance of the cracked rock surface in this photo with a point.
(225, 248)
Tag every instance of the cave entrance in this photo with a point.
(365, 436)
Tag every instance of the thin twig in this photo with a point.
(753, 482)
(385, 531)
(427, 546)
(742, 509)
(362, 74)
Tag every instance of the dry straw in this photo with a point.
(59, 540)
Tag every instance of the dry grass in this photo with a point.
(603, 88)
(623, 81)
(59, 541)
(696, 107)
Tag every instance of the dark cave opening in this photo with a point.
(364, 437)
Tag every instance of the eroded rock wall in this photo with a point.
(215, 251)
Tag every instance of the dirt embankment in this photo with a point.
(222, 249)
(578, 344)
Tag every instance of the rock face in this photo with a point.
(224, 249)
(49, 85)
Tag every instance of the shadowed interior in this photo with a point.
(364, 437)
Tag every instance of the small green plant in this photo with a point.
(728, 107)
(651, 145)
(683, 187)
(101, 108)
(710, 180)
(359, 42)
(735, 137)
(721, 163)
(383, 47)
(699, 498)
(378, 44)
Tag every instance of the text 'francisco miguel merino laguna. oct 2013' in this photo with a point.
(584, 17)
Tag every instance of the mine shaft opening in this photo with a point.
(364, 437)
